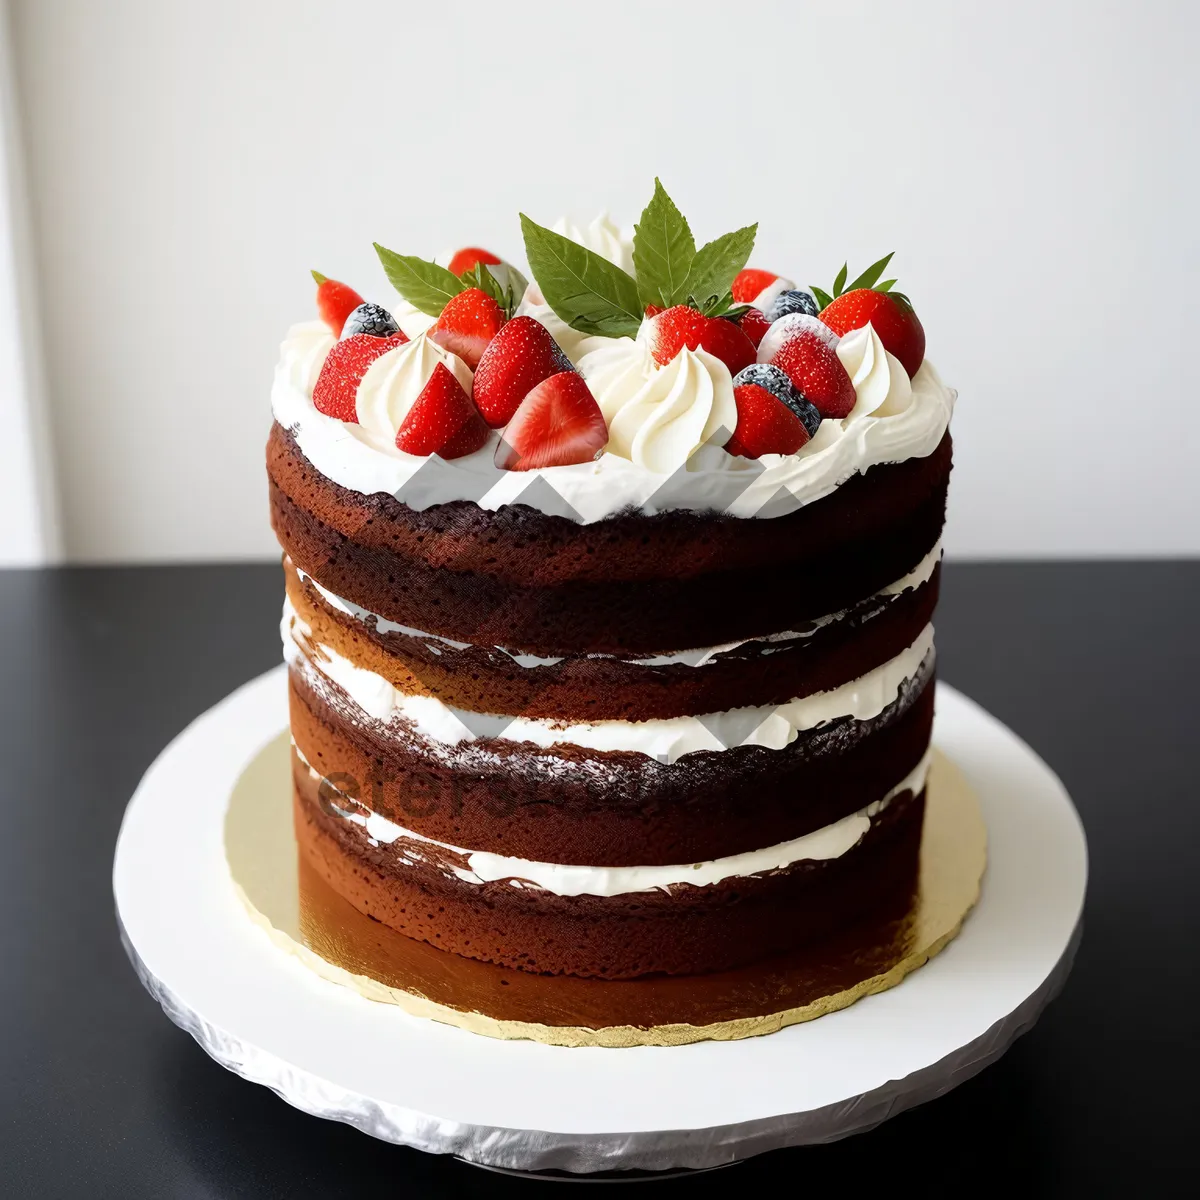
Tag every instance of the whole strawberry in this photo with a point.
(890, 314)
(805, 350)
(682, 327)
(517, 359)
(754, 325)
(758, 288)
(335, 302)
(467, 324)
(468, 257)
(765, 425)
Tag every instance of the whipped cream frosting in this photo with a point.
(658, 416)
(698, 657)
(881, 384)
(480, 866)
(667, 739)
(303, 354)
(602, 236)
(763, 300)
(393, 382)
(588, 492)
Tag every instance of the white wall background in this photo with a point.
(1032, 163)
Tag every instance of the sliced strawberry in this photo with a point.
(467, 324)
(805, 349)
(519, 357)
(442, 420)
(681, 327)
(890, 315)
(337, 386)
(468, 257)
(765, 424)
(335, 302)
(652, 310)
(557, 424)
(754, 325)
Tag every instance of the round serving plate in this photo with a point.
(442, 1089)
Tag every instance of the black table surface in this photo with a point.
(1096, 665)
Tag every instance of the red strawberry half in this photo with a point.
(806, 351)
(469, 257)
(682, 327)
(890, 315)
(557, 424)
(337, 386)
(765, 424)
(442, 420)
(335, 302)
(518, 358)
(754, 325)
(751, 284)
(467, 324)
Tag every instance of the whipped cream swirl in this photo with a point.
(659, 416)
(303, 353)
(603, 236)
(880, 381)
(393, 382)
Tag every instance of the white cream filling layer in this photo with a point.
(692, 658)
(481, 866)
(666, 739)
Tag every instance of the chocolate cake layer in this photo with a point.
(544, 584)
(609, 808)
(589, 688)
(679, 930)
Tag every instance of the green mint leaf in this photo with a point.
(663, 249)
(425, 285)
(872, 273)
(824, 299)
(885, 286)
(735, 313)
(717, 263)
(718, 306)
(517, 284)
(318, 278)
(840, 281)
(583, 288)
(480, 277)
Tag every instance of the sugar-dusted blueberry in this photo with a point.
(768, 376)
(790, 302)
(371, 319)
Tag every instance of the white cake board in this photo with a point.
(522, 1105)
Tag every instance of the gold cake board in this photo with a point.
(305, 917)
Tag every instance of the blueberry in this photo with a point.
(790, 302)
(782, 388)
(372, 319)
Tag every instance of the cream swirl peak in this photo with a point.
(393, 382)
(659, 416)
(881, 384)
(602, 236)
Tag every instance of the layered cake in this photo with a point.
(609, 595)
